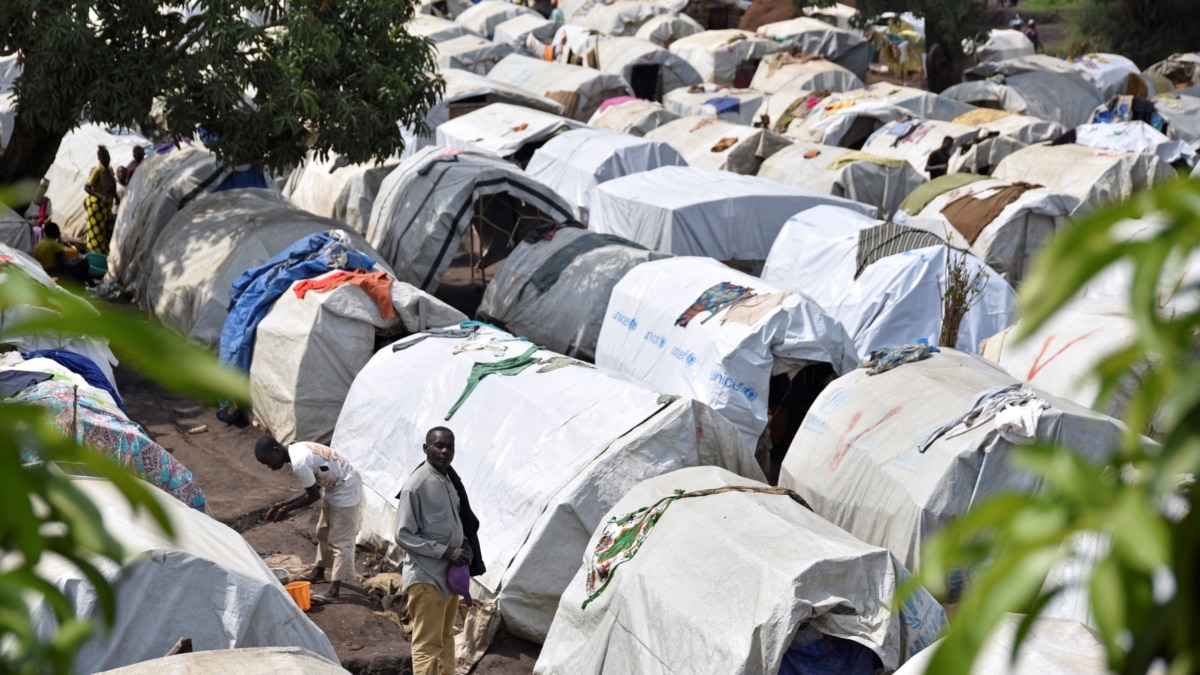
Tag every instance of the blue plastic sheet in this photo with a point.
(81, 366)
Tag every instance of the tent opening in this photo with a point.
(859, 132)
(646, 81)
(718, 18)
(465, 105)
(788, 401)
(745, 73)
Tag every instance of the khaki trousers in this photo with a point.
(337, 527)
(433, 630)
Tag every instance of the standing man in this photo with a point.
(1031, 32)
(939, 160)
(430, 522)
(318, 466)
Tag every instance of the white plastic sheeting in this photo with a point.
(15, 231)
(895, 300)
(1094, 177)
(501, 129)
(846, 48)
(737, 106)
(711, 143)
(869, 182)
(1024, 128)
(727, 364)
(483, 17)
(566, 317)
(435, 28)
(1178, 281)
(470, 53)
(308, 350)
(1182, 114)
(543, 455)
(856, 459)
(846, 119)
(1008, 242)
(1001, 44)
(718, 54)
(664, 29)
(74, 162)
(1066, 98)
(427, 203)
(344, 192)
(1051, 647)
(1110, 73)
(1029, 63)
(621, 55)
(625, 17)
(208, 584)
(1136, 136)
(690, 211)
(669, 608)
(245, 661)
(575, 162)
(584, 88)
(518, 30)
(632, 116)
(784, 71)
(894, 140)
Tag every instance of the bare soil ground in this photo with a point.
(239, 489)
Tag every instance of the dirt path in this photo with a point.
(239, 489)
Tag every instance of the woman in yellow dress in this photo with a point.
(101, 188)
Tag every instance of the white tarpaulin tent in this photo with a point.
(846, 48)
(1066, 98)
(841, 172)
(719, 55)
(625, 17)
(435, 28)
(631, 116)
(1136, 136)
(74, 163)
(1001, 44)
(518, 30)
(737, 106)
(335, 189)
(580, 90)
(784, 70)
(245, 661)
(555, 291)
(648, 69)
(913, 140)
(858, 460)
(433, 198)
(1182, 69)
(837, 14)
(690, 211)
(209, 243)
(894, 299)
(1094, 177)
(1112, 74)
(1051, 647)
(846, 119)
(208, 584)
(470, 53)
(1030, 63)
(483, 17)
(1003, 223)
(15, 231)
(1178, 280)
(574, 44)
(502, 130)
(650, 333)
(712, 143)
(1182, 114)
(1024, 128)
(544, 454)
(575, 162)
(669, 608)
(663, 29)
(308, 350)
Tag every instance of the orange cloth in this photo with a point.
(377, 285)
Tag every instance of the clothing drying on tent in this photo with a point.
(916, 140)
(83, 367)
(847, 119)
(807, 35)
(885, 239)
(712, 143)
(1065, 98)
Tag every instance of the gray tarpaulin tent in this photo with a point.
(580, 90)
(711, 143)
(625, 17)
(648, 69)
(482, 18)
(1001, 44)
(470, 53)
(670, 609)
(914, 140)
(785, 70)
(518, 30)
(1066, 98)
(1094, 177)
(429, 202)
(335, 189)
(632, 116)
(245, 661)
(73, 163)
(739, 106)
(721, 55)
(15, 231)
(848, 118)
(846, 48)
(435, 28)
(664, 29)
(841, 172)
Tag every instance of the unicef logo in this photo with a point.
(750, 394)
(627, 321)
(691, 359)
(633, 324)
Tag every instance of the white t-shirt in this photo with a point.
(316, 464)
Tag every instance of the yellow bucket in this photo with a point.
(300, 592)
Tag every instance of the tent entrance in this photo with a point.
(745, 73)
(788, 401)
(646, 81)
(465, 105)
(858, 133)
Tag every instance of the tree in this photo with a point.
(947, 24)
(328, 75)
(1145, 31)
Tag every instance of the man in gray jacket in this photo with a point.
(430, 530)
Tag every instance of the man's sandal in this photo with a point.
(319, 600)
(308, 576)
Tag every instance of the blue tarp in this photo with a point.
(250, 178)
(81, 366)
(255, 291)
(829, 656)
(725, 104)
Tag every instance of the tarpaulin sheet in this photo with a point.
(501, 129)
(334, 189)
(544, 78)
(874, 184)
(1094, 177)
(784, 71)
(1051, 647)
(732, 105)
(717, 54)
(634, 117)
(621, 55)
(711, 143)
(846, 48)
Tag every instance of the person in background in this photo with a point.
(139, 153)
(1031, 32)
(939, 160)
(556, 14)
(58, 259)
(101, 189)
(39, 211)
(320, 467)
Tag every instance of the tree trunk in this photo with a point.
(29, 152)
(944, 64)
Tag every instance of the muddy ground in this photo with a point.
(239, 489)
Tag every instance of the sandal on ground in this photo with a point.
(308, 576)
(318, 600)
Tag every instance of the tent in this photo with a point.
(335, 189)
(74, 162)
(554, 291)
(812, 36)
(15, 231)
(574, 44)
(502, 130)
(575, 162)
(1001, 44)
(1024, 128)
(724, 56)
(1066, 98)
(663, 29)
(858, 458)
(1029, 63)
(837, 14)
(1002, 222)
(737, 106)
(648, 69)
(841, 172)
(448, 9)
(822, 606)
(245, 661)
(580, 90)
(712, 143)
(1094, 177)
(1113, 75)
(692, 211)
(435, 28)
(848, 118)
(544, 454)
(843, 261)
(630, 115)
(482, 18)
(1182, 114)
(470, 53)
(1181, 70)
(784, 70)
(913, 140)
(519, 30)
(651, 333)
(208, 584)
(1051, 647)
(624, 17)
(1135, 136)
(206, 247)
(429, 202)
